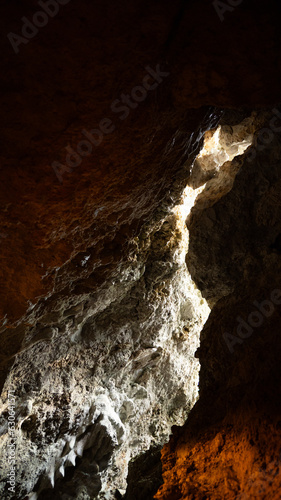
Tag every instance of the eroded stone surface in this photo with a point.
(111, 373)
(71, 259)
(230, 446)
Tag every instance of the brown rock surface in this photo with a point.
(64, 80)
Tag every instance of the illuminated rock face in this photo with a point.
(96, 302)
(102, 378)
(109, 377)
(230, 445)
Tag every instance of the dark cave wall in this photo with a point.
(64, 80)
(230, 446)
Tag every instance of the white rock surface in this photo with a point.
(116, 373)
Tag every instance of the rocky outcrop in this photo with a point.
(103, 376)
(99, 316)
(230, 446)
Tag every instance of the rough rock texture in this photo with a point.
(98, 329)
(110, 374)
(66, 79)
(144, 475)
(230, 446)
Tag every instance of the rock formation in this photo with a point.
(230, 445)
(140, 250)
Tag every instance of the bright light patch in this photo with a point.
(220, 146)
(182, 211)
